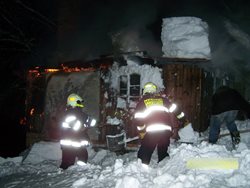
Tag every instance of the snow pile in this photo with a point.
(113, 121)
(106, 169)
(185, 37)
(42, 151)
(187, 134)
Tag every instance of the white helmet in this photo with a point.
(75, 100)
(149, 87)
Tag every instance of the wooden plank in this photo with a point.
(184, 83)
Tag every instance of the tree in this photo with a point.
(23, 31)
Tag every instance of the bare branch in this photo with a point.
(227, 7)
(14, 49)
(13, 25)
(44, 18)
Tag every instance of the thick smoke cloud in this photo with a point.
(103, 24)
(110, 26)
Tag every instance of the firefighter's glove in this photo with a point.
(185, 123)
(141, 135)
(141, 130)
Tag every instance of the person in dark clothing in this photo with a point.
(74, 137)
(153, 119)
(226, 103)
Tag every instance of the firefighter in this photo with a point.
(226, 103)
(74, 138)
(154, 121)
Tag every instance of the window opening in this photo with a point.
(130, 87)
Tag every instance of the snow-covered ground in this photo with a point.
(106, 169)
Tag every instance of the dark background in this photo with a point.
(46, 33)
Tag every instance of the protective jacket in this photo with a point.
(74, 128)
(154, 120)
(155, 110)
(227, 99)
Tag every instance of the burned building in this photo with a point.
(111, 86)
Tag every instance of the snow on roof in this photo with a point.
(185, 37)
(148, 74)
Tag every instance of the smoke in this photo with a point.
(104, 26)
(239, 35)
(132, 39)
(231, 50)
(126, 41)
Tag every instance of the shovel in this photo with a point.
(128, 140)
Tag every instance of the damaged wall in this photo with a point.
(46, 101)
(60, 85)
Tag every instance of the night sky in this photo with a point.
(45, 33)
(50, 31)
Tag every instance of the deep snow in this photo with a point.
(106, 169)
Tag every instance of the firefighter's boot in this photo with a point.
(235, 137)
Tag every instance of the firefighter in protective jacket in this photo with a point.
(226, 103)
(74, 137)
(154, 121)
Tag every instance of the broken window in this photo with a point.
(130, 86)
(135, 85)
(123, 85)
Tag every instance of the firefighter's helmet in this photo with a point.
(149, 87)
(75, 100)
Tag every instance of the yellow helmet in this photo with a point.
(75, 100)
(149, 87)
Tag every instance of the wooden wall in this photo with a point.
(189, 87)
